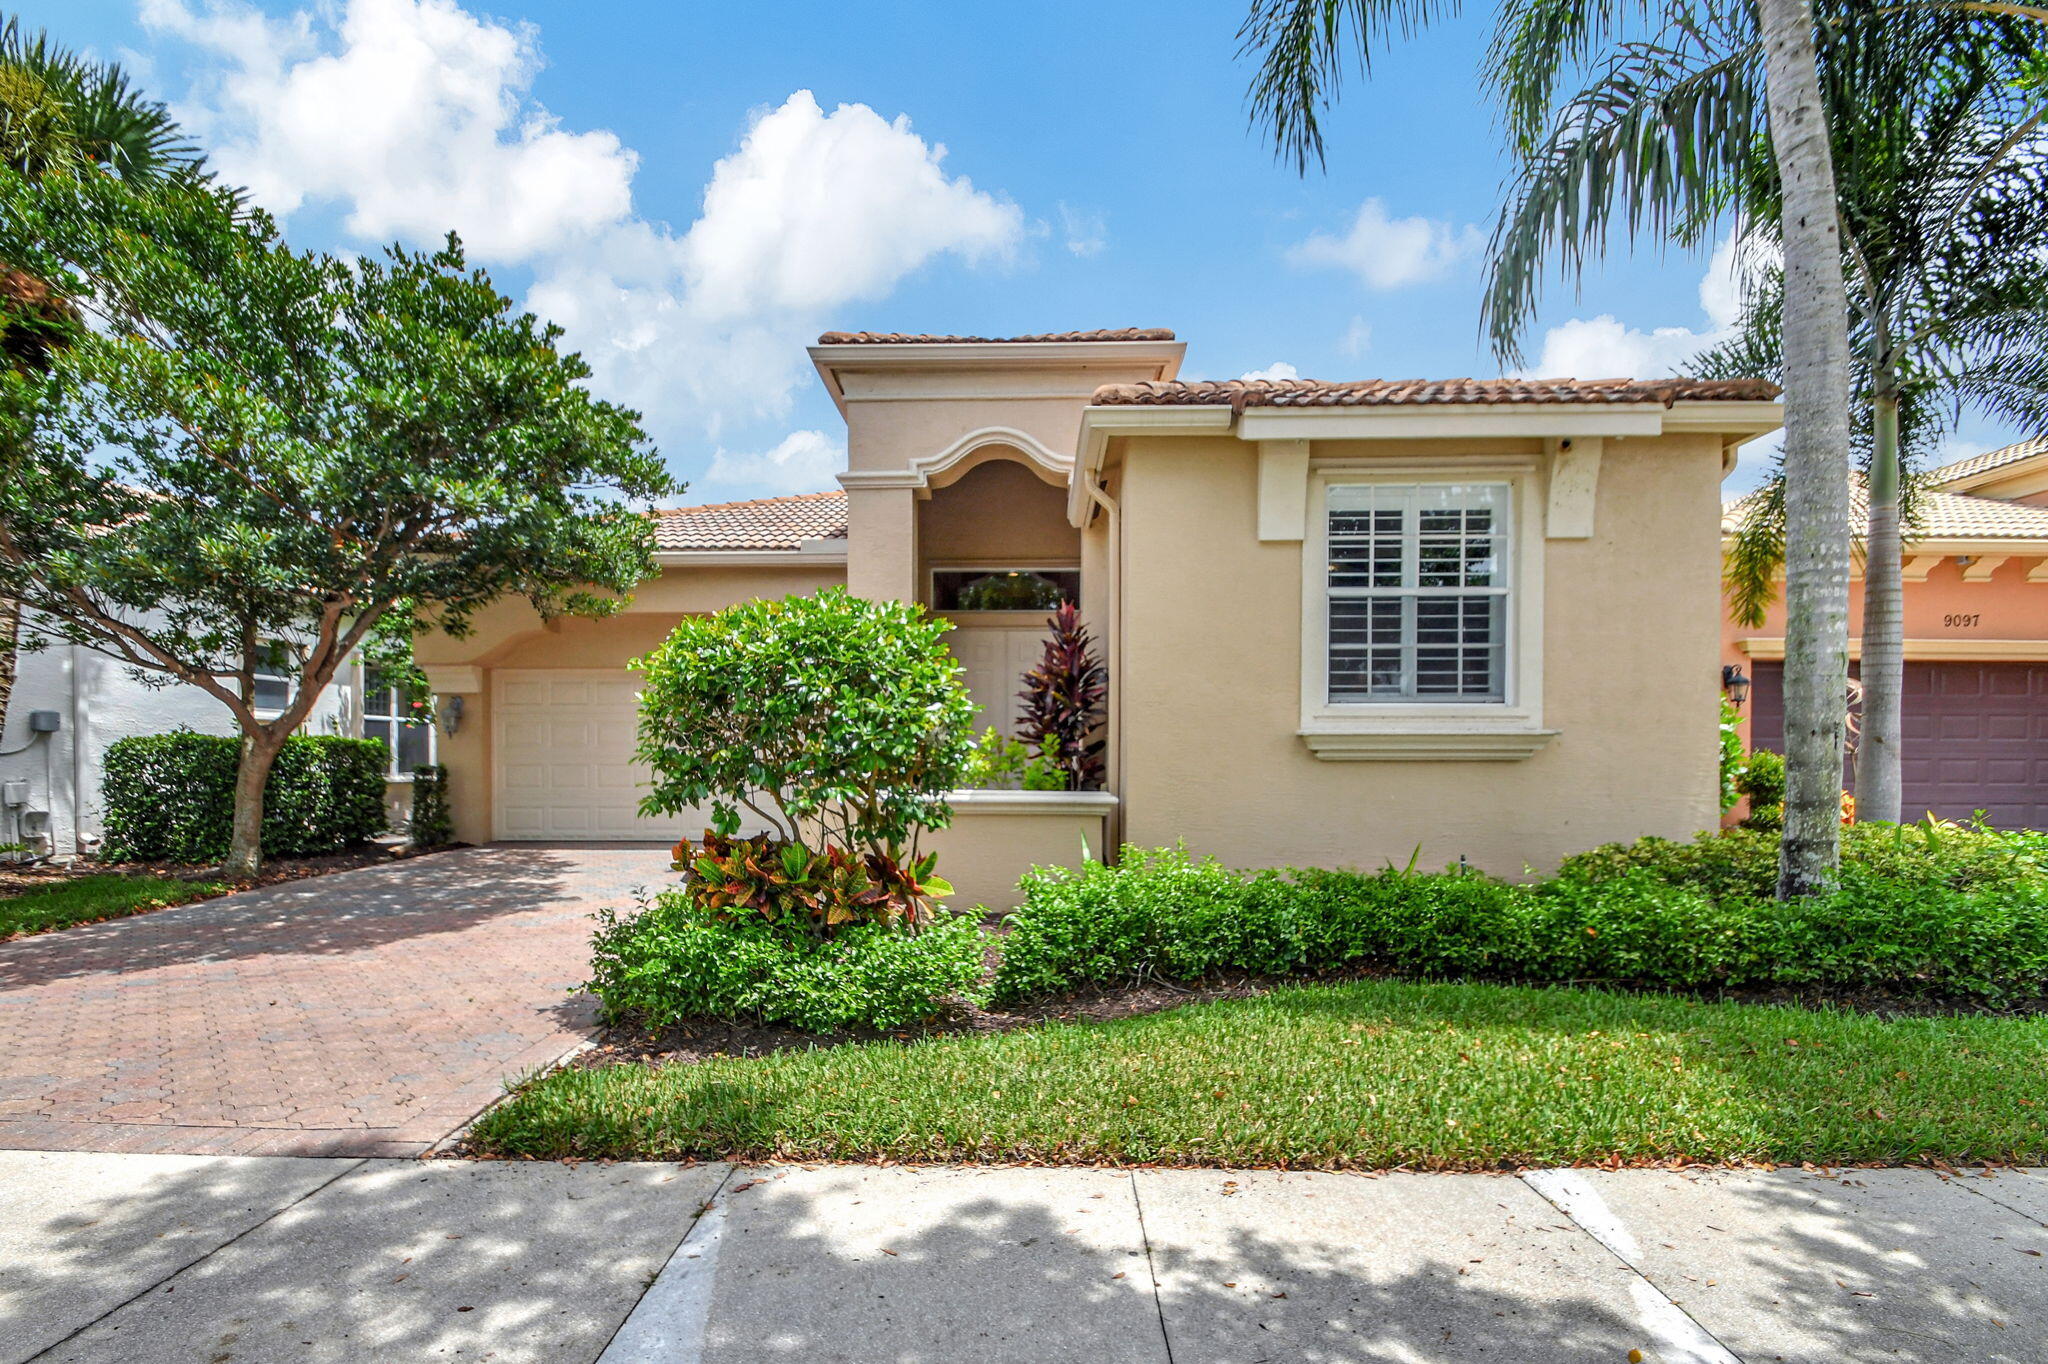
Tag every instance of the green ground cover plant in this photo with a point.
(1357, 1075)
(89, 899)
(677, 958)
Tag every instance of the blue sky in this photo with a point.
(656, 177)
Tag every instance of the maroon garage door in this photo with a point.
(1976, 738)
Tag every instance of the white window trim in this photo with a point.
(363, 718)
(1410, 731)
(268, 713)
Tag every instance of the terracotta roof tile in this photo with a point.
(765, 523)
(1243, 393)
(1988, 461)
(1941, 516)
(923, 339)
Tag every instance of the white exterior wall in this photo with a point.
(100, 700)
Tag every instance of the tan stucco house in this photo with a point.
(1344, 621)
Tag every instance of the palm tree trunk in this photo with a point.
(1878, 795)
(1816, 332)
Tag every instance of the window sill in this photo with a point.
(1501, 744)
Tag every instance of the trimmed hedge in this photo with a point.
(1948, 915)
(171, 797)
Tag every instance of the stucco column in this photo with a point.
(881, 543)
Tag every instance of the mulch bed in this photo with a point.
(15, 880)
(710, 1039)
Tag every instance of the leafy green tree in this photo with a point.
(833, 720)
(1944, 206)
(59, 111)
(246, 457)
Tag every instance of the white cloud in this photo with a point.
(803, 462)
(1086, 231)
(1279, 369)
(415, 116)
(1390, 253)
(815, 210)
(413, 113)
(1605, 348)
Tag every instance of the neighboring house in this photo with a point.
(1975, 733)
(1346, 624)
(50, 778)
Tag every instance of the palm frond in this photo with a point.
(1304, 50)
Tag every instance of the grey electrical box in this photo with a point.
(13, 793)
(44, 722)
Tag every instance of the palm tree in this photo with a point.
(1664, 157)
(60, 113)
(1945, 224)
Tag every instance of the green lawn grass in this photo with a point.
(1349, 1076)
(88, 899)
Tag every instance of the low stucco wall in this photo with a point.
(997, 836)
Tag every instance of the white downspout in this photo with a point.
(77, 764)
(1115, 629)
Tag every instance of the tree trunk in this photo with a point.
(1816, 331)
(1884, 626)
(252, 776)
(10, 651)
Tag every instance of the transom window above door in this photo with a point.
(1417, 592)
(1004, 589)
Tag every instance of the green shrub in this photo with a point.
(794, 890)
(1762, 782)
(1940, 913)
(171, 797)
(1733, 759)
(825, 715)
(432, 825)
(675, 959)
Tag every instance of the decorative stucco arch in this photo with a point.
(953, 462)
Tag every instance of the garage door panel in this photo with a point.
(1975, 737)
(565, 759)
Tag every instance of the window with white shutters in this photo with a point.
(1418, 591)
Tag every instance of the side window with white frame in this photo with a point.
(405, 730)
(273, 680)
(1416, 599)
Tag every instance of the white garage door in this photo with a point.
(563, 741)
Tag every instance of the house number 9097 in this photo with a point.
(1956, 621)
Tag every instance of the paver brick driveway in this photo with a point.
(366, 1012)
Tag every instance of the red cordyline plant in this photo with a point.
(1064, 701)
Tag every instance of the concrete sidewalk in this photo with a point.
(230, 1260)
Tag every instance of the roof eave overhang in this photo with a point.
(1100, 425)
(2023, 472)
(1736, 422)
(1158, 360)
(2031, 546)
(813, 552)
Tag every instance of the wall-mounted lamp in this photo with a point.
(451, 715)
(1735, 682)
